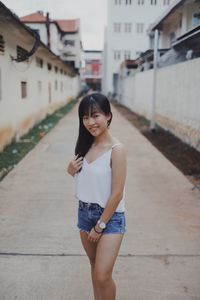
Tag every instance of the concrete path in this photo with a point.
(41, 257)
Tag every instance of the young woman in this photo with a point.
(99, 170)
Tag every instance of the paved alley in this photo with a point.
(41, 257)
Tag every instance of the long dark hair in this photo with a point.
(88, 104)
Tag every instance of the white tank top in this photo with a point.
(93, 182)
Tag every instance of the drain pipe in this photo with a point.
(155, 60)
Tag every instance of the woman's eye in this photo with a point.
(96, 116)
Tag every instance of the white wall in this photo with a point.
(133, 41)
(17, 114)
(177, 98)
(56, 42)
(73, 53)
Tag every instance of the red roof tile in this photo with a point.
(34, 18)
(68, 25)
(65, 25)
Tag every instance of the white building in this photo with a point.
(34, 82)
(180, 18)
(174, 100)
(126, 34)
(63, 37)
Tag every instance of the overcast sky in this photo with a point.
(91, 12)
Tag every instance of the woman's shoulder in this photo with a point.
(116, 143)
(118, 146)
(118, 154)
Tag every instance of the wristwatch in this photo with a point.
(101, 224)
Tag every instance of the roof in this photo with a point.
(169, 11)
(129, 64)
(12, 17)
(69, 26)
(36, 17)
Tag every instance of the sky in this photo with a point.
(92, 13)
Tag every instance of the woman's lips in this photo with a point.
(93, 129)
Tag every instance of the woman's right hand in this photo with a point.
(75, 165)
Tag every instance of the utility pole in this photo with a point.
(155, 60)
(48, 31)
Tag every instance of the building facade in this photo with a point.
(34, 82)
(172, 97)
(126, 34)
(92, 70)
(63, 37)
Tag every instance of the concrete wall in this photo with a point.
(177, 98)
(17, 114)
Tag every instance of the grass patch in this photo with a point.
(14, 152)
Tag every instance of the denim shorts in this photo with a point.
(90, 213)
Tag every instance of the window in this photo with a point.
(139, 27)
(49, 66)
(21, 53)
(23, 89)
(61, 71)
(56, 69)
(172, 37)
(117, 27)
(196, 19)
(153, 2)
(117, 2)
(140, 2)
(69, 43)
(39, 62)
(166, 2)
(128, 2)
(127, 54)
(2, 45)
(117, 55)
(127, 27)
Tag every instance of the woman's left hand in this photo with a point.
(94, 236)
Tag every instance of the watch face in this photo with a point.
(102, 225)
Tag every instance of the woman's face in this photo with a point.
(96, 123)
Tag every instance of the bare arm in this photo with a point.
(118, 182)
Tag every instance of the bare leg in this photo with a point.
(106, 254)
(90, 249)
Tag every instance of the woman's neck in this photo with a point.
(104, 138)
